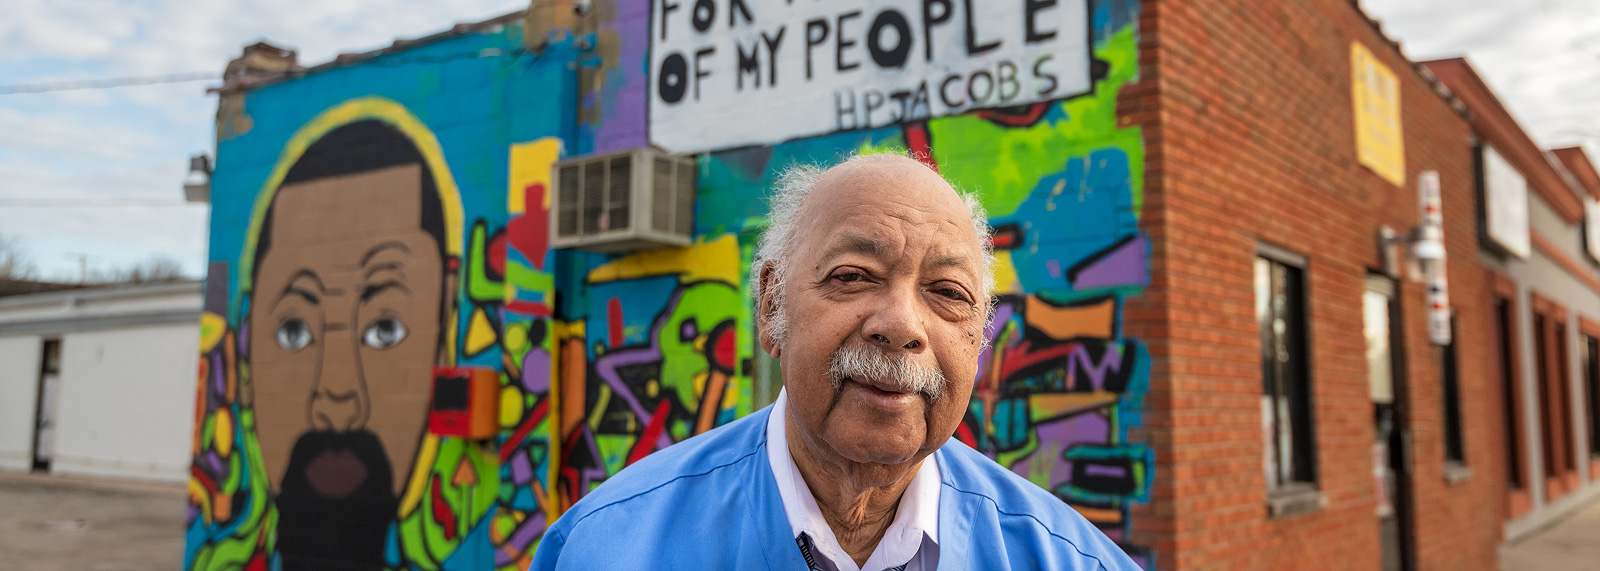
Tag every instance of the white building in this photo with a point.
(100, 381)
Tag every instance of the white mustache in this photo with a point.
(895, 370)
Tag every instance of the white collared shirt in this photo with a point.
(912, 537)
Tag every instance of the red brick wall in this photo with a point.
(1253, 141)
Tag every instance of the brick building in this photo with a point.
(502, 262)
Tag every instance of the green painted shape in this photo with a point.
(1003, 164)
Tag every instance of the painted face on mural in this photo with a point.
(345, 329)
(886, 268)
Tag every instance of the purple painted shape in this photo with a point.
(194, 512)
(214, 462)
(1002, 315)
(218, 376)
(521, 469)
(521, 538)
(1063, 434)
(607, 366)
(624, 103)
(1123, 267)
(536, 371)
(1104, 470)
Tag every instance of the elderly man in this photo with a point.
(874, 291)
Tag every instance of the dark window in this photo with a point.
(1454, 447)
(1509, 391)
(1542, 357)
(1286, 384)
(1591, 382)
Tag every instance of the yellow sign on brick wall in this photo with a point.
(1379, 145)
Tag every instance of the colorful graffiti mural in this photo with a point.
(375, 369)
(397, 372)
(1062, 384)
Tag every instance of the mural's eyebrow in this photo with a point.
(395, 265)
(292, 289)
(374, 289)
(384, 246)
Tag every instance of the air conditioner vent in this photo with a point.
(630, 200)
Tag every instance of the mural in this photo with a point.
(1061, 385)
(397, 372)
(377, 346)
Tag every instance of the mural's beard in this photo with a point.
(336, 503)
(896, 369)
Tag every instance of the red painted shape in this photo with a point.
(1025, 356)
(534, 308)
(725, 349)
(511, 445)
(441, 511)
(530, 231)
(614, 321)
(205, 481)
(497, 255)
(652, 431)
(921, 148)
(964, 434)
(257, 563)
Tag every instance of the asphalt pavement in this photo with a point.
(57, 523)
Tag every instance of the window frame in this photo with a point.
(1298, 491)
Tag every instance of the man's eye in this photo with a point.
(849, 277)
(384, 333)
(294, 334)
(951, 293)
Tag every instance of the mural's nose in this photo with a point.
(339, 400)
(336, 411)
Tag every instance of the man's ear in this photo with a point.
(766, 305)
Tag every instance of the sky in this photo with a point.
(87, 154)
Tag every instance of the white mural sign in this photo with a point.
(731, 73)
(1506, 204)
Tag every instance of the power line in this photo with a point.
(89, 203)
(108, 82)
(373, 59)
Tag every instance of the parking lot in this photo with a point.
(56, 523)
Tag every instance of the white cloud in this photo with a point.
(1540, 57)
(134, 141)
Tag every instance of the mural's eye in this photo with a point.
(294, 334)
(384, 333)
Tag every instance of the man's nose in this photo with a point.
(896, 322)
(339, 399)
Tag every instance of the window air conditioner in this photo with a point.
(630, 200)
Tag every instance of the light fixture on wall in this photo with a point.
(197, 185)
(1424, 256)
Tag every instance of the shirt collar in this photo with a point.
(916, 520)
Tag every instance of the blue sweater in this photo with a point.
(711, 503)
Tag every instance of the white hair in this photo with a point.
(777, 245)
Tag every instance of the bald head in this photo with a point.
(807, 197)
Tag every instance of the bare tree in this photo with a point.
(151, 270)
(15, 263)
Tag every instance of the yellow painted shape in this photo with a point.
(1005, 274)
(222, 432)
(717, 259)
(1380, 145)
(531, 163)
(517, 338)
(1094, 320)
(1044, 407)
(510, 406)
(426, 454)
(199, 496)
(480, 335)
(211, 328)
